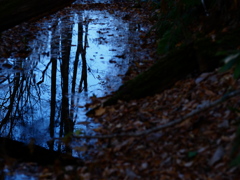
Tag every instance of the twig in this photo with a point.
(43, 73)
(177, 121)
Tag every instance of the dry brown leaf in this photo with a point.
(100, 111)
(81, 148)
(209, 92)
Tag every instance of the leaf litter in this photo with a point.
(197, 148)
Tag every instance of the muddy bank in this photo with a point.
(17, 11)
(21, 152)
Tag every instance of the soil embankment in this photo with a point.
(17, 11)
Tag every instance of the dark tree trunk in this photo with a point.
(54, 56)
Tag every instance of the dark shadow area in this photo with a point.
(21, 152)
(16, 11)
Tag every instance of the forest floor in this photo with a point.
(201, 146)
(198, 147)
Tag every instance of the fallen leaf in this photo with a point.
(217, 155)
(100, 111)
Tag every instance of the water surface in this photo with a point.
(50, 69)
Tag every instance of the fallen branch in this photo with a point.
(177, 121)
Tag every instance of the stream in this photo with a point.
(51, 68)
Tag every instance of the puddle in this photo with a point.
(50, 69)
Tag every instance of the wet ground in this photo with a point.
(51, 68)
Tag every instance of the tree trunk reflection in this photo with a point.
(83, 81)
(54, 56)
(66, 33)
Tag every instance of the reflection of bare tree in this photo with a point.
(54, 55)
(67, 116)
(81, 50)
(19, 98)
(66, 33)
(83, 79)
(75, 66)
(12, 96)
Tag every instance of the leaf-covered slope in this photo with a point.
(199, 56)
(198, 148)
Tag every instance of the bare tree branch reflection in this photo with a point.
(19, 98)
(16, 86)
(43, 73)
